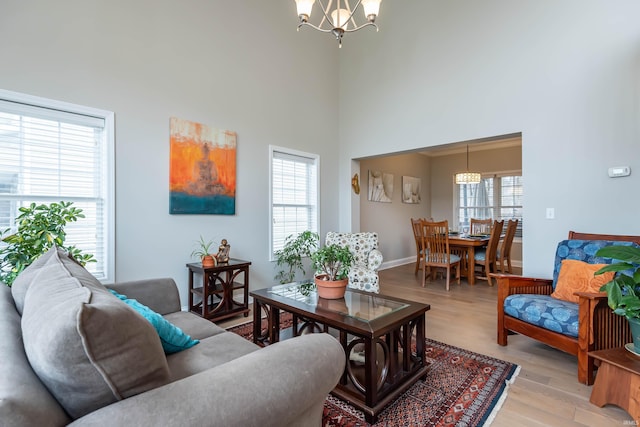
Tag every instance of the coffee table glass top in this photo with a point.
(364, 307)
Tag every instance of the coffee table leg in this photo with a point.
(274, 325)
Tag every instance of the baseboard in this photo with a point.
(411, 260)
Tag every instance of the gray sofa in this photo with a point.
(72, 353)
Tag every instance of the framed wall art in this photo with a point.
(202, 176)
(380, 186)
(410, 189)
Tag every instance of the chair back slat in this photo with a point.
(435, 240)
(504, 259)
(494, 240)
(435, 237)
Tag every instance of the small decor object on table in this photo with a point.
(223, 251)
(203, 252)
(332, 263)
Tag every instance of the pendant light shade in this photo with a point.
(468, 177)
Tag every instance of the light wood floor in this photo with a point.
(545, 393)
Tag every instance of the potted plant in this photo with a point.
(203, 251)
(39, 227)
(623, 292)
(290, 258)
(332, 263)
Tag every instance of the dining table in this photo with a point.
(467, 245)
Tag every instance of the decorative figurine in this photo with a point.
(223, 251)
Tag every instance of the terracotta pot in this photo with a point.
(208, 261)
(330, 289)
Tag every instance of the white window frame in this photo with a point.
(495, 205)
(308, 157)
(108, 153)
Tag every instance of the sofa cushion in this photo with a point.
(24, 400)
(544, 311)
(211, 352)
(28, 275)
(197, 327)
(89, 348)
(578, 276)
(172, 338)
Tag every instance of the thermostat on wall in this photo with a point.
(617, 171)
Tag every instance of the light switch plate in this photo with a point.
(551, 213)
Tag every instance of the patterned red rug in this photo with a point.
(462, 388)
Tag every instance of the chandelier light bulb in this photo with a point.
(371, 9)
(304, 8)
(340, 18)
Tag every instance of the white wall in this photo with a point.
(232, 64)
(565, 73)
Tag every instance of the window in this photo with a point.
(497, 196)
(294, 194)
(53, 151)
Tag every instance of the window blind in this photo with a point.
(49, 155)
(294, 196)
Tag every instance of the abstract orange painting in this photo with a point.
(202, 177)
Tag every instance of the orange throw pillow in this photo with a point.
(577, 276)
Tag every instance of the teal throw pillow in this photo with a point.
(173, 339)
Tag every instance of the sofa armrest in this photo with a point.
(283, 384)
(375, 259)
(160, 295)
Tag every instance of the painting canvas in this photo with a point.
(380, 186)
(410, 189)
(202, 177)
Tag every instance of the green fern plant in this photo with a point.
(289, 259)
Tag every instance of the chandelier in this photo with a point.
(468, 177)
(338, 17)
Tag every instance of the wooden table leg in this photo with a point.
(471, 265)
(619, 387)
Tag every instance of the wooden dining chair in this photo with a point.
(486, 258)
(480, 226)
(435, 239)
(417, 235)
(504, 252)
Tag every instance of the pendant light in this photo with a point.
(468, 177)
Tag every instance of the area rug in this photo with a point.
(462, 388)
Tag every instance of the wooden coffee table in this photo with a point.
(376, 332)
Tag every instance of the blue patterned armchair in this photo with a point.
(525, 306)
(367, 258)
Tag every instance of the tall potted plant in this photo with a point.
(39, 227)
(623, 292)
(289, 259)
(332, 263)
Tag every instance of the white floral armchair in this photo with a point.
(367, 258)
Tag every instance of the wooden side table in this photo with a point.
(214, 299)
(617, 381)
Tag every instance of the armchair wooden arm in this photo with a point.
(509, 284)
(599, 329)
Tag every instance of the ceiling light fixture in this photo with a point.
(468, 177)
(338, 16)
